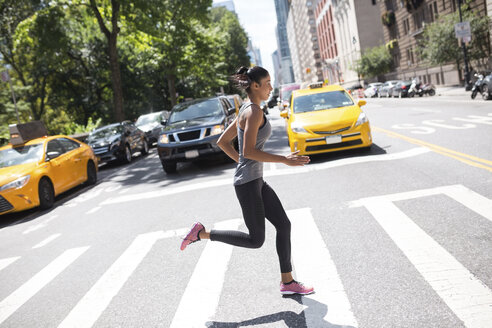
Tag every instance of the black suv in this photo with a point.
(118, 141)
(192, 130)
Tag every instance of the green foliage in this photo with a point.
(59, 61)
(388, 18)
(440, 46)
(375, 61)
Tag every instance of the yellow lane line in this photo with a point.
(465, 158)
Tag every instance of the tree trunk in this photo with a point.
(116, 78)
(172, 88)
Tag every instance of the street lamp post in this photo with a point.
(465, 56)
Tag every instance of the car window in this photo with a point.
(68, 144)
(196, 109)
(322, 101)
(106, 132)
(54, 145)
(21, 155)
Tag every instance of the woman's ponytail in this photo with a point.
(243, 77)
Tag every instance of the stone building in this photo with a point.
(303, 42)
(405, 30)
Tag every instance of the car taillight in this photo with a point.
(404, 87)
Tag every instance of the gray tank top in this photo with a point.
(248, 169)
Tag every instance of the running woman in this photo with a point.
(257, 199)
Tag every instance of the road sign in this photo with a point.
(5, 76)
(462, 30)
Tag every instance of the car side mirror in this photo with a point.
(231, 111)
(52, 155)
(164, 122)
(361, 103)
(284, 113)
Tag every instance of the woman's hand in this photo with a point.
(295, 160)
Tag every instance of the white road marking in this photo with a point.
(40, 225)
(460, 193)
(465, 294)
(308, 249)
(7, 261)
(47, 240)
(303, 169)
(15, 300)
(440, 124)
(94, 210)
(201, 296)
(90, 307)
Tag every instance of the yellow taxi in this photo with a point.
(34, 169)
(325, 119)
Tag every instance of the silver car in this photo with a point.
(386, 90)
(152, 125)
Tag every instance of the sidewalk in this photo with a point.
(457, 90)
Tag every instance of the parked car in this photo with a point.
(272, 100)
(487, 87)
(372, 89)
(193, 129)
(236, 101)
(386, 89)
(118, 141)
(34, 167)
(400, 90)
(151, 125)
(325, 119)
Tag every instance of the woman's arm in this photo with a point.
(225, 141)
(254, 119)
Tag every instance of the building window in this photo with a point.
(437, 79)
(443, 6)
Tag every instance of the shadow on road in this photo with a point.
(317, 311)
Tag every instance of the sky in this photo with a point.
(259, 19)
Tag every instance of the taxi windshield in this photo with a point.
(322, 101)
(21, 155)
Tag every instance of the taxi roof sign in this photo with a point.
(316, 85)
(22, 133)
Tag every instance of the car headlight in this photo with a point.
(115, 143)
(297, 128)
(16, 184)
(217, 129)
(164, 139)
(362, 119)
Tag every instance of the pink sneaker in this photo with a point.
(192, 236)
(295, 287)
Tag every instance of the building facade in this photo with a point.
(357, 27)
(327, 43)
(303, 42)
(407, 29)
(286, 73)
(229, 4)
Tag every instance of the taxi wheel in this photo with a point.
(91, 174)
(46, 194)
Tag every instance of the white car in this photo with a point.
(372, 89)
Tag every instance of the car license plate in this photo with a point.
(333, 139)
(191, 153)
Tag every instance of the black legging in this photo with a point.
(258, 200)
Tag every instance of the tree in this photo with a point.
(375, 61)
(234, 42)
(112, 38)
(440, 46)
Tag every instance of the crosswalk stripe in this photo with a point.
(8, 261)
(465, 295)
(47, 240)
(201, 296)
(471, 199)
(15, 300)
(90, 307)
(313, 265)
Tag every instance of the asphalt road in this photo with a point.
(398, 236)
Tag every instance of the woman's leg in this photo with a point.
(249, 196)
(275, 213)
